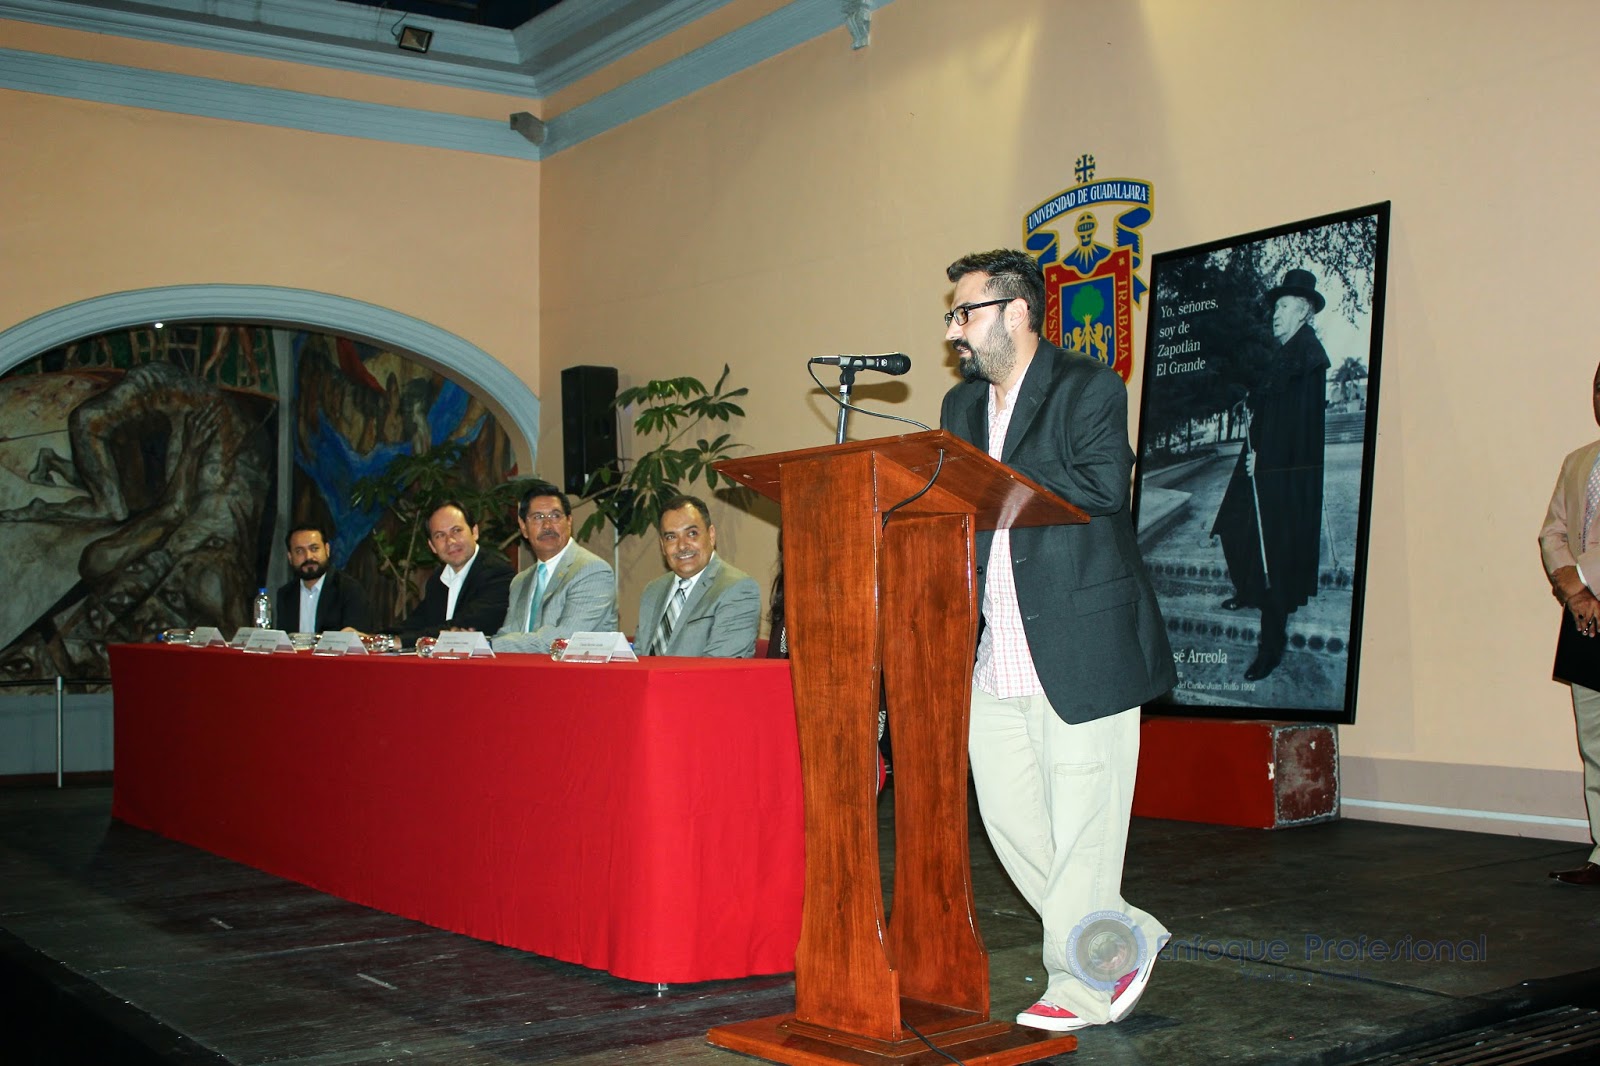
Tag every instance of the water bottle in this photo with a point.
(263, 610)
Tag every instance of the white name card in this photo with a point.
(338, 642)
(462, 644)
(598, 648)
(267, 641)
(207, 637)
(241, 636)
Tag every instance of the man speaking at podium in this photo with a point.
(1073, 641)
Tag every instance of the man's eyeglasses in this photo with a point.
(539, 518)
(960, 313)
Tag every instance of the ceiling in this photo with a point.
(501, 14)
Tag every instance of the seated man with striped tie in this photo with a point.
(572, 590)
(704, 606)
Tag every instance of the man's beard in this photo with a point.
(994, 362)
(310, 570)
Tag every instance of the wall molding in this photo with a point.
(543, 55)
(508, 396)
(1509, 800)
(186, 94)
(789, 27)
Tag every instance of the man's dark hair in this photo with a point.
(674, 502)
(1012, 274)
(537, 488)
(466, 515)
(306, 527)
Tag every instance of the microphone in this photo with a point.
(892, 363)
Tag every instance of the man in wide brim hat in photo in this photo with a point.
(1301, 283)
(1270, 520)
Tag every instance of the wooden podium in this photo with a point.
(876, 583)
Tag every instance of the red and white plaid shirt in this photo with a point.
(1005, 666)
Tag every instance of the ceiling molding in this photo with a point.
(788, 27)
(546, 53)
(185, 94)
(564, 47)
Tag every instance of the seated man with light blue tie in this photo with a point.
(572, 590)
(704, 606)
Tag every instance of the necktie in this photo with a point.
(539, 578)
(1591, 504)
(669, 618)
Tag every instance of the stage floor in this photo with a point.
(120, 946)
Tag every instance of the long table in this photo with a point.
(640, 818)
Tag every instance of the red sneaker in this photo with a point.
(1045, 1015)
(1129, 987)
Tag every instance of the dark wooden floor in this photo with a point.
(117, 946)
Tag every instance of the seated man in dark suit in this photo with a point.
(321, 598)
(704, 606)
(571, 590)
(470, 589)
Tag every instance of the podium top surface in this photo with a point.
(997, 495)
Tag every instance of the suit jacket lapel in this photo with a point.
(697, 595)
(557, 578)
(1578, 495)
(327, 602)
(1030, 397)
(978, 416)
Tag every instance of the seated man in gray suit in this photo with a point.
(572, 590)
(705, 606)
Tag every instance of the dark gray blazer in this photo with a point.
(1098, 641)
(480, 602)
(342, 602)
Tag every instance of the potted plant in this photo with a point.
(627, 496)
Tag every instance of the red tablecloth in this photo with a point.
(644, 819)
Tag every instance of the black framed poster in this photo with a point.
(1253, 489)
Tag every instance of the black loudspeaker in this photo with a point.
(588, 423)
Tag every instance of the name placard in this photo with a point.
(241, 636)
(207, 637)
(598, 648)
(268, 641)
(463, 644)
(338, 642)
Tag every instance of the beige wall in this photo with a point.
(102, 199)
(808, 205)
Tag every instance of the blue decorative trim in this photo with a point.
(364, 53)
(774, 34)
(564, 46)
(188, 95)
(513, 404)
(786, 28)
(559, 47)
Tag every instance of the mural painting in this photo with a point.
(139, 480)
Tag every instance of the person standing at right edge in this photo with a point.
(1570, 546)
(1073, 642)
